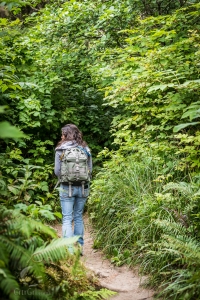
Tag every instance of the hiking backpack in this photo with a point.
(74, 167)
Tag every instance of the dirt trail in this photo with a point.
(120, 279)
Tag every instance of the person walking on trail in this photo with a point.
(73, 167)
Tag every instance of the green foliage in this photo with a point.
(190, 149)
(20, 8)
(35, 264)
(163, 7)
(154, 80)
(26, 187)
(92, 295)
(58, 61)
(52, 71)
(38, 211)
(142, 216)
(6, 130)
(18, 249)
(9, 131)
(50, 61)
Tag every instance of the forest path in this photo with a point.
(124, 281)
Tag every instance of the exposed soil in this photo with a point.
(123, 280)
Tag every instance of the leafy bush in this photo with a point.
(27, 187)
(154, 81)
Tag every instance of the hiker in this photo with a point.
(74, 174)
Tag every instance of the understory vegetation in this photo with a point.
(35, 264)
(143, 217)
(127, 73)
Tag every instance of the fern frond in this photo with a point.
(14, 223)
(188, 247)
(32, 243)
(21, 257)
(25, 252)
(4, 256)
(31, 225)
(94, 295)
(8, 284)
(170, 227)
(55, 251)
(182, 187)
(26, 227)
(183, 282)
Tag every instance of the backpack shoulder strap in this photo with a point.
(84, 150)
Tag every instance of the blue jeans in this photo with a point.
(72, 210)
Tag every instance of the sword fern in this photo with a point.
(26, 247)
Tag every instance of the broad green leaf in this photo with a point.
(58, 214)
(192, 114)
(182, 126)
(161, 87)
(9, 131)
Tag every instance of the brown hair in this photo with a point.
(72, 133)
